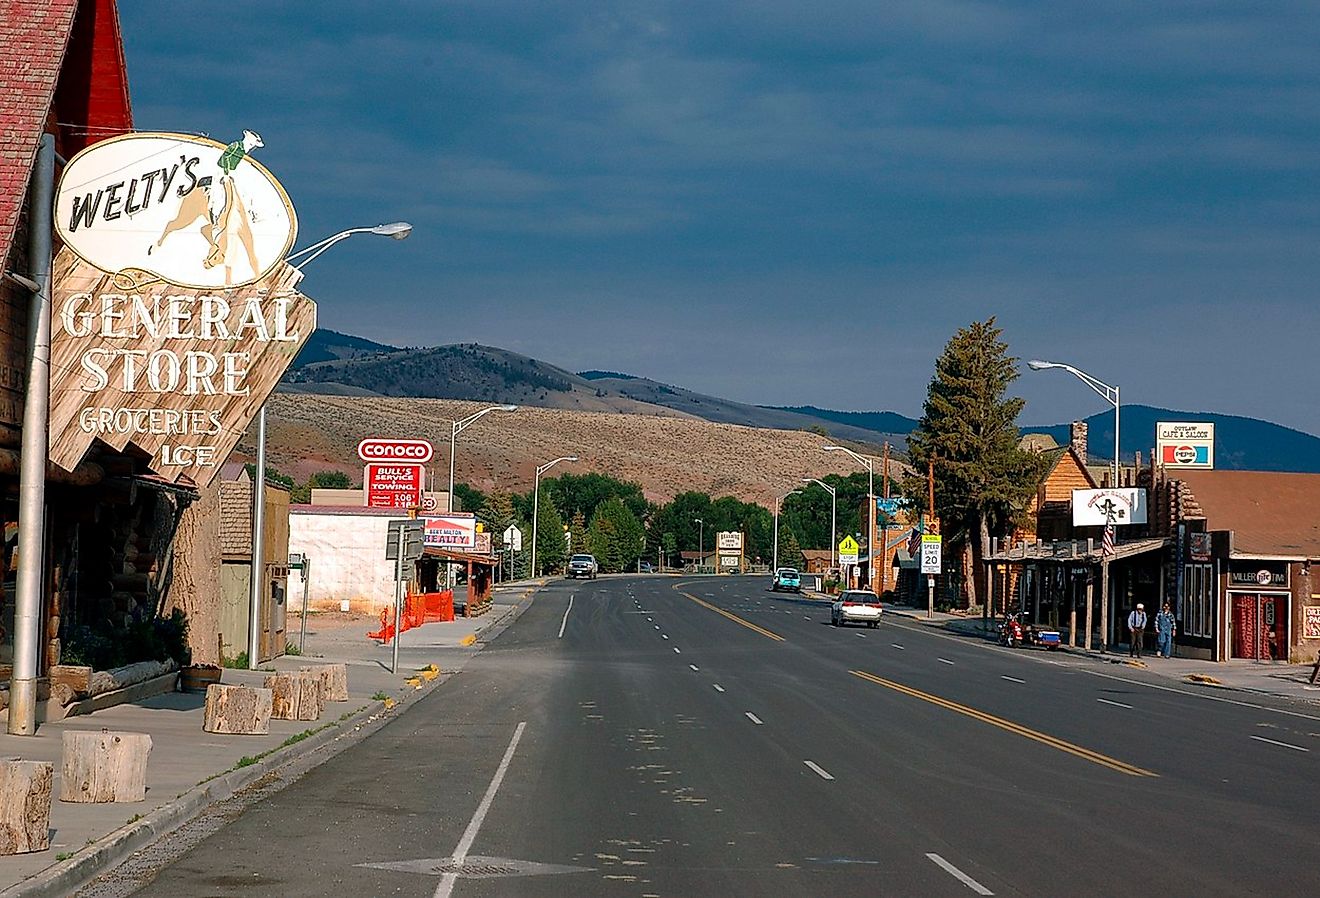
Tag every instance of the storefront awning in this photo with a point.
(453, 555)
(1075, 551)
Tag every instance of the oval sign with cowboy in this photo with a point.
(176, 208)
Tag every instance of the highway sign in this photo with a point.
(513, 538)
(931, 547)
(412, 539)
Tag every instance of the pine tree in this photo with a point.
(550, 543)
(968, 428)
(790, 552)
(616, 537)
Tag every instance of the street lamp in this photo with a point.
(536, 496)
(869, 464)
(701, 539)
(834, 515)
(459, 427)
(397, 230)
(779, 499)
(1109, 393)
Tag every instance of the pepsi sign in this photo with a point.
(1185, 445)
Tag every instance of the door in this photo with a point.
(1260, 627)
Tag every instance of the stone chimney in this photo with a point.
(1078, 439)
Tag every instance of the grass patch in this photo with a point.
(63, 855)
(379, 696)
(246, 761)
(291, 649)
(235, 662)
(134, 819)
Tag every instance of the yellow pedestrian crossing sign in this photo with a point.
(848, 550)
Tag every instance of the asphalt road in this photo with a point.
(658, 737)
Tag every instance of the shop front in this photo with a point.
(1259, 609)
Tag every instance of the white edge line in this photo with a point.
(446, 886)
(694, 667)
(754, 719)
(718, 687)
(1115, 704)
(957, 874)
(564, 622)
(1281, 744)
(818, 770)
(944, 660)
(1011, 679)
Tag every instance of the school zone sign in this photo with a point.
(174, 313)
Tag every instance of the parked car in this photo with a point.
(856, 605)
(583, 566)
(786, 578)
(645, 567)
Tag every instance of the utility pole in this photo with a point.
(930, 493)
(884, 529)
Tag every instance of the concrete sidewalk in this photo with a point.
(189, 769)
(1289, 681)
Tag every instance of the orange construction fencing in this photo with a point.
(418, 608)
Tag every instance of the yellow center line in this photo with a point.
(1043, 738)
(735, 618)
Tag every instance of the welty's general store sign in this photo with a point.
(174, 314)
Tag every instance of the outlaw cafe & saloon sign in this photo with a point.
(174, 313)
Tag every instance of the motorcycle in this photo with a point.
(1013, 633)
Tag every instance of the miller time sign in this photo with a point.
(174, 313)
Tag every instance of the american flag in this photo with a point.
(1107, 546)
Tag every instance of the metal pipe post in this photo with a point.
(32, 463)
(257, 582)
(536, 508)
(1116, 443)
(302, 625)
(398, 622)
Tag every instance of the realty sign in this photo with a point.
(451, 531)
(394, 486)
(174, 313)
(1185, 445)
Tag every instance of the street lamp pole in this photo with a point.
(1110, 394)
(701, 539)
(397, 230)
(778, 500)
(536, 498)
(457, 428)
(834, 516)
(869, 464)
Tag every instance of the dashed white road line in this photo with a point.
(958, 874)
(564, 622)
(895, 645)
(718, 687)
(657, 626)
(818, 770)
(1011, 679)
(676, 651)
(1280, 744)
(664, 635)
(944, 660)
(1105, 701)
(694, 667)
(860, 635)
(754, 719)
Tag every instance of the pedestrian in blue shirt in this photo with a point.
(1165, 628)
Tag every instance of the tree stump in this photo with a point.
(295, 696)
(104, 767)
(334, 681)
(25, 788)
(237, 710)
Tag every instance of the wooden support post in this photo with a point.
(237, 710)
(104, 766)
(25, 788)
(1090, 601)
(295, 696)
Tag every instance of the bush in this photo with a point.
(143, 639)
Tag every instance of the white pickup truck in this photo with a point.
(582, 566)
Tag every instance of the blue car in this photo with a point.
(787, 579)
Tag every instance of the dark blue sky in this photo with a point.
(792, 203)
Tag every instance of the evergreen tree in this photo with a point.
(968, 428)
(550, 543)
(790, 552)
(616, 536)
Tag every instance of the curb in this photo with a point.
(66, 877)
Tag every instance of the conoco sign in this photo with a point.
(375, 449)
(174, 313)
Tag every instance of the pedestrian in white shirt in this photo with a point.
(1136, 624)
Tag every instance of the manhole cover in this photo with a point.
(476, 867)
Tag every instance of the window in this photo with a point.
(1198, 600)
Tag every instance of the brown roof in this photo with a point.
(1269, 513)
(236, 518)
